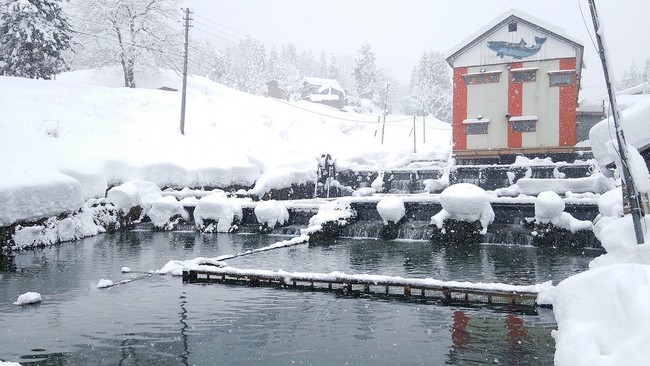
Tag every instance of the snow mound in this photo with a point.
(104, 283)
(465, 202)
(549, 208)
(163, 210)
(215, 207)
(602, 317)
(271, 213)
(42, 195)
(596, 183)
(28, 298)
(134, 193)
(391, 209)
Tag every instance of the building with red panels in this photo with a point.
(516, 83)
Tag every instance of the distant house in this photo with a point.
(274, 90)
(516, 83)
(324, 91)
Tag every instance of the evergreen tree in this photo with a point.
(252, 66)
(333, 71)
(322, 66)
(431, 85)
(646, 76)
(34, 34)
(365, 71)
(631, 78)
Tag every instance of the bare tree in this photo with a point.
(140, 35)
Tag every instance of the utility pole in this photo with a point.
(633, 196)
(383, 127)
(424, 128)
(415, 150)
(184, 92)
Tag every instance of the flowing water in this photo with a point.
(158, 320)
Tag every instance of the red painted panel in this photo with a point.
(515, 107)
(568, 100)
(459, 110)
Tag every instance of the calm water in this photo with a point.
(161, 321)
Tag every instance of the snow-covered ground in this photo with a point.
(82, 132)
(63, 142)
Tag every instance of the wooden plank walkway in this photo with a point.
(407, 289)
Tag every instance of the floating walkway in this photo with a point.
(450, 292)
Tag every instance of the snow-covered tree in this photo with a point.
(251, 66)
(140, 35)
(631, 78)
(431, 85)
(333, 70)
(34, 34)
(646, 76)
(322, 65)
(365, 71)
(223, 69)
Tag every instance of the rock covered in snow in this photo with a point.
(163, 210)
(338, 212)
(465, 202)
(549, 208)
(28, 298)
(215, 207)
(87, 221)
(103, 283)
(134, 193)
(391, 209)
(271, 213)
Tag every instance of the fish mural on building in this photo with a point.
(516, 50)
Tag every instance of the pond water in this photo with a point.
(159, 320)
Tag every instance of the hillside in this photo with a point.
(85, 126)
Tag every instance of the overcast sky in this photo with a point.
(400, 30)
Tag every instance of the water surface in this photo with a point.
(158, 320)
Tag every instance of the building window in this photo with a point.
(561, 78)
(512, 27)
(482, 78)
(476, 126)
(523, 75)
(524, 123)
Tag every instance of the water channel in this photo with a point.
(159, 320)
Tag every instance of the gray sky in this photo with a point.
(400, 30)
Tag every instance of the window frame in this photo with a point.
(523, 75)
(485, 77)
(524, 123)
(474, 126)
(561, 74)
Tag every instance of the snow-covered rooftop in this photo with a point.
(486, 29)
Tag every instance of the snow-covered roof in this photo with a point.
(505, 18)
(323, 83)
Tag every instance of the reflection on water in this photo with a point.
(159, 320)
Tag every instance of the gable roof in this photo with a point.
(503, 20)
(323, 83)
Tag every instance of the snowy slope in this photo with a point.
(84, 125)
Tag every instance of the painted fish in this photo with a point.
(516, 50)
